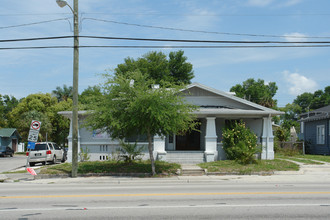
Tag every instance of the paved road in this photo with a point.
(11, 163)
(218, 198)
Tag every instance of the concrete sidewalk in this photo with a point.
(307, 173)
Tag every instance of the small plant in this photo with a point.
(84, 155)
(131, 152)
(240, 143)
(115, 155)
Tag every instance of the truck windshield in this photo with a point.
(40, 147)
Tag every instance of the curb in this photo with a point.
(51, 176)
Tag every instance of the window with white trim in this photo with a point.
(320, 134)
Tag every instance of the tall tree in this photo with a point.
(181, 71)
(7, 103)
(43, 107)
(89, 95)
(158, 67)
(257, 91)
(311, 101)
(130, 109)
(62, 94)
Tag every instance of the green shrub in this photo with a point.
(84, 155)
(240, 143)
(131, 152)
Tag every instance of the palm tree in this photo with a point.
(62, 94)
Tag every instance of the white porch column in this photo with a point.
(211, 152)
(159, 148)
(267, 140)
(69, 153)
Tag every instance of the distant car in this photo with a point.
(45, 152)
(6, 151)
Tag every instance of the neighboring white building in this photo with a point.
(216, 107)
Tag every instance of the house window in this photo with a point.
(320, 134)
(302, 127)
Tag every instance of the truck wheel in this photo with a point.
(54, 160)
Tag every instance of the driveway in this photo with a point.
(12, 163)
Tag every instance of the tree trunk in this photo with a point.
(153, 169)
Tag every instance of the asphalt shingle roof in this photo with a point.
(7, 132)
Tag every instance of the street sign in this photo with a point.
(34, 131)
(32, 139)
(35, 125)
(33, 136)
(31, 145)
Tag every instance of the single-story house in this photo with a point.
(216, 108)
(315, 130)
(9, 137)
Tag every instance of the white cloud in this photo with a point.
(299, 84)
(278, 3)
(295, 37)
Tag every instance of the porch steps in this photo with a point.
(185, 157)
(191, 170)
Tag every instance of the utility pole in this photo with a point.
(75, 91)
(63, 3)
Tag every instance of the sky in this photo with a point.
(294, 69)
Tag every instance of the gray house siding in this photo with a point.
(310, 132)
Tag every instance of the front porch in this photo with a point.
(206, 145)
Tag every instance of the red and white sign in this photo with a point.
(35, 125)
(34, 131)
(31, 170)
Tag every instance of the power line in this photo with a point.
(34, 23)
(164, 47)
(35, 39)
(205, 32)
(168, 40)
(176, 14)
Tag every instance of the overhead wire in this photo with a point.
(34, 23)
(167, 40)
(164, 47)
(205, 32)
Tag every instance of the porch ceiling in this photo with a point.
(216, 112)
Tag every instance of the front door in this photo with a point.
(189, 141)
(14, 144)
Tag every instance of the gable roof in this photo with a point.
(8, 132)
(318, 114)
(256, 109)
(220, 110)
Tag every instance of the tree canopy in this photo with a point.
(156, 66)
(7, 103)
(42, 107)
(257, 91)
(130, 108)
(311, 101)
(62, 94)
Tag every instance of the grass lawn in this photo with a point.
(99, 167)
(144, 167)
(230, 166)
(316, 157)
(306, 159)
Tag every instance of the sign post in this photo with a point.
(33, 137)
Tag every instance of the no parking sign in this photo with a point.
(34, 131)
